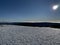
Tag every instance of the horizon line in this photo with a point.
(35, 21)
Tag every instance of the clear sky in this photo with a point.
(28, 10)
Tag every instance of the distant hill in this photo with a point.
(38, 24)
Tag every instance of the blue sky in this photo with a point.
(28, 10)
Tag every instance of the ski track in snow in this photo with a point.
(21, 35)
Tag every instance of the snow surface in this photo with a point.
(20, 35)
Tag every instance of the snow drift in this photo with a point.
(23, 35)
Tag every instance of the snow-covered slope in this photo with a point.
(20, 35)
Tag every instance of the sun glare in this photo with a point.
(55, 7)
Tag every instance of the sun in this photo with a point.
(55, 7)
